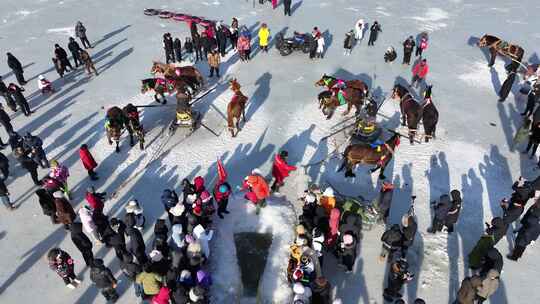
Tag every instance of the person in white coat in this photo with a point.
(320, 47)
(85, 214)
(359, 29)
(203, 237)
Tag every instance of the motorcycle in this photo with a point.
(299, 42)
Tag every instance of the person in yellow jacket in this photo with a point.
(264, 36)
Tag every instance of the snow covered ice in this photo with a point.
(471, 152)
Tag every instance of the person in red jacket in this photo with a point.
(222, 191)
(88, 161)
(95, 199)
(280, 170)
(420, 72)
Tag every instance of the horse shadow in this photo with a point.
(260, 94)
(111, 34)
(298, 143)
(115, 60)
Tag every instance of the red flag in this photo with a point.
(222, 174)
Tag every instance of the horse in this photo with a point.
(115, 126)
(236, 109)
(172, 71)
(365, 154)
(498, 46)
(354, 93)
(161, 86)
(133, 125)
(410, 109)
(430, 115)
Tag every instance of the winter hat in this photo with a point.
(178, 209)
(298, 288)
(298, 274)
(347, 239)
(191, 198)
(196, 294)
(190, 239)
(321, 281)
(156, 255)
(419, 301)
(41, 77)
(310, 198)
(185, 275)
(256, 171)
(133, 207)
(53, 163)
(405, 220)
(283, 154)
(222, 189)
(329, 192)
(300, 229)
(97, 262)
(58, 194)
(197, 210)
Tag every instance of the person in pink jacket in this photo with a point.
(420, 72)
(280, 170)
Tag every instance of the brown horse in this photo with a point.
(367, 155)
(410, 109)
(354, 91)
(160, 86)
(236, 108)
(172, 71)
(430, 115)
(114, 126)
(498, 46)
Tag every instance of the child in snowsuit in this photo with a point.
(390, 54)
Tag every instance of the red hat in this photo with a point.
(197, 210)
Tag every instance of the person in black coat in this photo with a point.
(374, 33)
(528, 233)
(168, 46)
(20, 100)
(322, 291)
(4, 167)
(492, 260)
(62, 56)
(197, 46)
(34, 144)
(178, 49)
(507, 86)
(497, 229)
(104, 280)
(130, 268)
(222, 34)
(392, 241)
(441, 211)
(398, 275)
(5, 93)
(187, 189)
(15, 141)
(453, 213)
(46, 201)
(531, 103)
(4, 196)
(534, 139)
(408, 47)
(15, 65)
(118, 239)
(136, 245)
(82, 242)
(28, 163)
(384, 202)
(512, 209)
(408, 228)
(75, 50)
(287, 7)
(5, 120)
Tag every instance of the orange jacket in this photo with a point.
(258, 185)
